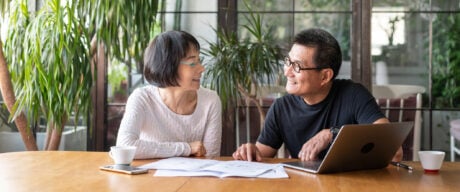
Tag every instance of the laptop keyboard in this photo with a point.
(311, 164)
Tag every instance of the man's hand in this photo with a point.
(197, 148)
(247, 152)
(398, 156)
(315, 145)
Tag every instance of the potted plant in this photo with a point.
(49, 66)
(47, 56)
(239, 66)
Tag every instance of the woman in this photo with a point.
(173, 116)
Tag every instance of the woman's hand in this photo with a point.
(197, 148)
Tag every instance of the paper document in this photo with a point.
(277, 172)
(180, 166)
(180, 163)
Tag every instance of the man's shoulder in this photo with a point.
(287, 102)
(346, 83)
(289, 98)
(348, 86)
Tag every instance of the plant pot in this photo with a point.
(71, 140)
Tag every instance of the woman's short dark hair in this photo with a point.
(163, 55)
(328, 52)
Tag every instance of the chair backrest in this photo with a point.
(403, 103)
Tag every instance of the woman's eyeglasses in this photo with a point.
(193, 64)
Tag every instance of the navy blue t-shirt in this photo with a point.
(292, 121)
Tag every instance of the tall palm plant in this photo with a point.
(49, 53)
(49, 65)
(6, 89)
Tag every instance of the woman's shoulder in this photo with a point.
(207, 92)
(208, 97)
(145, 91)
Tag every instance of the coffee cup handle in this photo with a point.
(110, 154)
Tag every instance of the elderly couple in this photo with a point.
(174, 116)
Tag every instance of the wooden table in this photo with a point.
(78, 171)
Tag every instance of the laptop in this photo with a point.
(359, 147)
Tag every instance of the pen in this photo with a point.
(398, 164)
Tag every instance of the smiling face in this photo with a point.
(309, 84)
(190, 70)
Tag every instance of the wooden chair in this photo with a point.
(403, 103)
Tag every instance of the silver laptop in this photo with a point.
(359, 147)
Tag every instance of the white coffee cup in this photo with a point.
(122, 155)
(431, 160)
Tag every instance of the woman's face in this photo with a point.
(190, 70)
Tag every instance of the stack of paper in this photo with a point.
(181, 166)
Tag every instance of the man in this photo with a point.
(317, 104)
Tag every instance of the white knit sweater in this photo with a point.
(158, 132)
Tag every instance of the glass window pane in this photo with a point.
(407, 5)
(420, 5)
(409, 38)
(287, 25)
(338, 24)
(399, 46)
(281, 24)
(191, 6)
(296, 5)
(199, 25)
(317, 5)
(446, 60)
(266, 5)
(446, 5)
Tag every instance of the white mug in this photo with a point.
(431, 160)
(122, 155)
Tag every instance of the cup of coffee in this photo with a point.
(431, 160)
(122, 155)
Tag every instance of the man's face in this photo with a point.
(305, 82)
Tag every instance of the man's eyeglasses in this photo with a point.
(193, 64)
(296, 66)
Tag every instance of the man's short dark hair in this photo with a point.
(328, 52)
(163, 55)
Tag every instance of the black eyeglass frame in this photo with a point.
(296, 66)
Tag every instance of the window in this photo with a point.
(416, 43)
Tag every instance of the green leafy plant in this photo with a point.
(446, 61)
(239, 67)
(125, 27)
(49, 55)
(49, 65)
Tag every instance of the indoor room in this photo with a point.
(68, 69)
